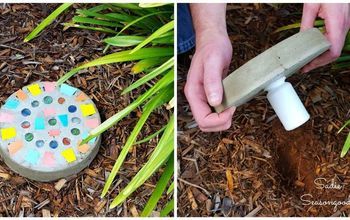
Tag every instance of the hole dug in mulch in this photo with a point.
(301, 166)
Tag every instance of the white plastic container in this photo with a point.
(286, 103)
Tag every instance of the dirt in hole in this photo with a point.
(296, 162)
(300, 161)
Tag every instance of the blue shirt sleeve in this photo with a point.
(185, 31)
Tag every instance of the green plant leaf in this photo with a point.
(150, 136)
(347, 39)
(151, 75)
(124, 41)
(122, 17)
(346, 47)
(152, 5)
(89, 13)
(160, 154)
(346, 146)
(168, 208)
(154, 103)
(343, 59)
(317, 23)
(342, 65)
(85, 20)
(168, 40)
(131, 6)
(160, 187)
(344, 126)
(99, 8)
(170, 189)
(165, 28)
(142, 18)
(162, 83)
(47, 21)
(129, 40)
(145, 64)
(100, 29)
(122, 56)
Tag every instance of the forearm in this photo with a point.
(209, 16)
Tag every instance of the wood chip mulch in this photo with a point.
(256, 168)
(48, 57)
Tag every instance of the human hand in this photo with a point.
(337, 24)
(204, 80)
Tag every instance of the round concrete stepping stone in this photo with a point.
(41, 127)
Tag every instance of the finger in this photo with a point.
(217, 119)
(321, 60)
(218, 128)
(309, 15)
(225, 72)
(335, 34)
(218, 122)
(336, 31)
(195, 93)
(197, 99)
(213, 71)
(205, 118)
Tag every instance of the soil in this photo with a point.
(256, 168)
(47, 58)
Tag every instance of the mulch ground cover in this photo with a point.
(46, 58)
(256, 168)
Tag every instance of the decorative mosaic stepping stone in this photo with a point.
(41, 127)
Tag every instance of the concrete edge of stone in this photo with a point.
(55, 175)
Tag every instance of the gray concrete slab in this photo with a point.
(283, 59)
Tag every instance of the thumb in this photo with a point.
(310, 12)
(213, 71)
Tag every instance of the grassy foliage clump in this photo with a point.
(145, 33)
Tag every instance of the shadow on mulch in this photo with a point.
(256, 168)
(47, 58)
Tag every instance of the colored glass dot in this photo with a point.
(75, 131)
(52, 122)
(76, 120)
(35, 104)
(61, 100)
(72, 108)
(66, 141)
(25, 124)
(28, 137)
(48, 100)
(26, 112)
(39, 143)
(53, 144)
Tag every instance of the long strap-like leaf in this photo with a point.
(167, 209)
(317, 23)
(165, 66)
(47, 21)
(162, 83)
(160, 187)
(122, 56)
(165, 28)
(154, 103)
(162, 151)
(146, 139)
(346, 146)
(140, 19)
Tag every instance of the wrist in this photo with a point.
(211, 35)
